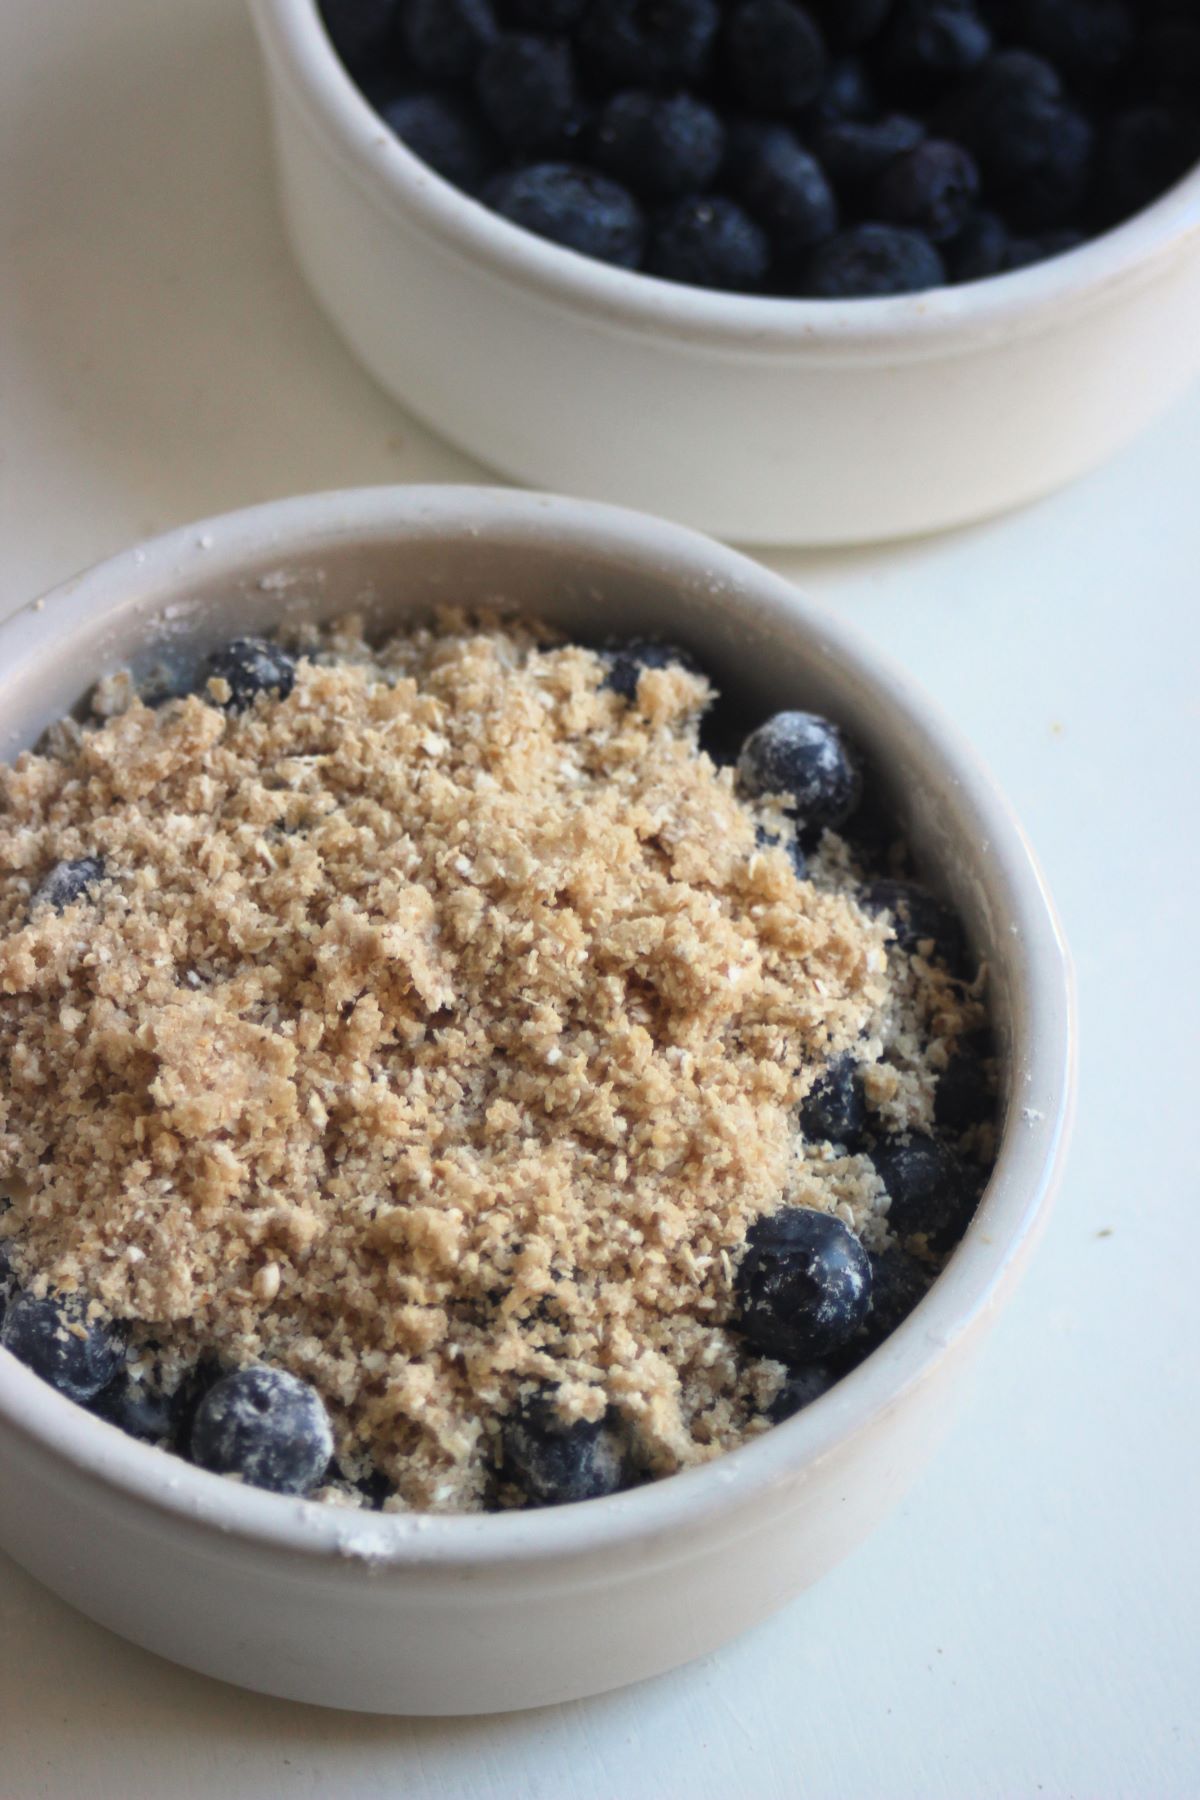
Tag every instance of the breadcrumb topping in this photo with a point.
(436, 1033)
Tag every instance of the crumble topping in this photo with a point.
(435, 1034)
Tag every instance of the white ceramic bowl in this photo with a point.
(766, 421)
(473, 1614)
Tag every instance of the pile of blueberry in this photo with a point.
(807, 1292)
(262, 1425)
(832, 148)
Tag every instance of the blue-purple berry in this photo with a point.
(930, 43)
(265, 1426)
(554, 1463)
(1166, 69)
(360, 30)
(709, 241)
(808, 760)
(446, 38)
(921, 921)
(1090, 41)
(249, 667)
(526, 88)
(1058, 186)
(963, 1096)
(627, 660)
(547, 15)
(1040, 246)
(444, 133)
(792, 848)
(802, 1287)
(849, 24)
(800, 1388)
(655, 43)
(68, 882)
(783, 187)
(573, 206)
(835, 1108)
(8, 1281)
(899, 1282)
(660, 145)
(142, 1409)
(774, 54)
(930, 1196)
(1143, 152)
(855, 152)
(932, 189)
(847, 92)
(53, 1335)
(980, 249)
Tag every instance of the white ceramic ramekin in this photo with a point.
(765, 421)
(475, 1614)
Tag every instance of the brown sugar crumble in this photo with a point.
(435, 1033)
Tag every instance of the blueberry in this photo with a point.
(775, 55)
(929, 1192)
(67, 882)
(1056, 189)
(162, 683)
(964, 1093)
(855, 152)
(1040, 246)
(808, 759)
(929, 43)
(708, 241)
(554, 1463)
(446, 38)
(834, 1110)
(626, 662)
(799, 1390)
(441, 131)
(359, 30)
(266, 1426)
(661, 146)
(548, 15)
(251, 666)
(932, 189)
(526, 88)
(918, 916)
(1166, 70)
(656, 43)
(803, 1285)
(140, 1409)
(1008, 115)
(1143, 152)
(851, 23)
(848, 93)
(794, 850)
(1088, 40)
(898, 1283)
(375, 1488)
(980, 249)
(784, 188)
(575, 207)
(55, 1338)
(7, 1279)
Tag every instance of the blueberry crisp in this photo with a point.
(431, 1079)
(833, 149)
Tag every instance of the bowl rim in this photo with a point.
(301, 53)
(143, 581)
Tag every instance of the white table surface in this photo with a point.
(1027, 1622)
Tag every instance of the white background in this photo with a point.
(1027, 1623)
